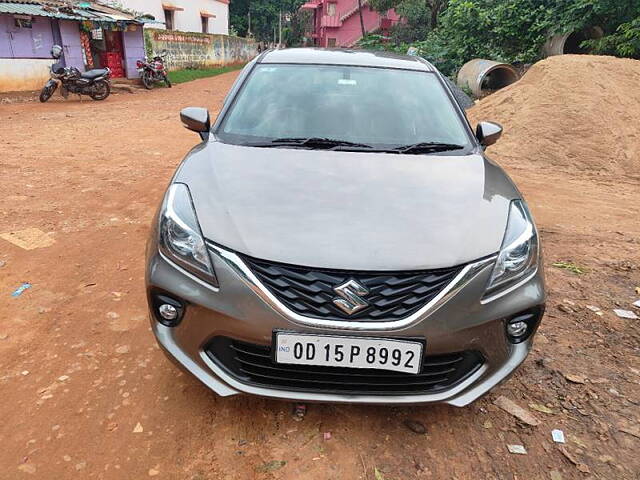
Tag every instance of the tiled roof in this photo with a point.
(68, 10)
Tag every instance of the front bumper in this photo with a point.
(237, 309)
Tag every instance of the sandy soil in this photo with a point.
(86, 393)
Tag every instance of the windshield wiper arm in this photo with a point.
(317, 142)
(426, 147)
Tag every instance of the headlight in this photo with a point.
(519, 252)
(180, 236)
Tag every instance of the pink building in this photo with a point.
(336, 23)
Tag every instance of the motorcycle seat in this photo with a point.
(95, 73)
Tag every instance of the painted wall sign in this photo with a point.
(199, 51)
(37, 41)
(182, 38)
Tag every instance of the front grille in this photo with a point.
(310, 292)
(252, 364)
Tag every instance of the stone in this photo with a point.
(415, 426)
(517, 449)
(27, 468)
(583, 468)
(516, 410)
(628, 314)
(29, 238)
(581, 379)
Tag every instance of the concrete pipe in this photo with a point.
(570, 42)
(484, 76)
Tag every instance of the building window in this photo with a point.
(205, 24)
(23, 22)
(168, 19)
(331, 9)
(331, 42)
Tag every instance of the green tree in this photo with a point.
(264, 16)
(619, 19)
(624, 42)
(298, 24)
(510, 30)
(413, 11)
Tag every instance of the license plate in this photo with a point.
(353, 352)
(140, 70)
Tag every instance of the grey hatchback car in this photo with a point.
(340, 236)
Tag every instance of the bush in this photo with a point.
(512, 30)
(624, 42)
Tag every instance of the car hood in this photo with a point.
(348, 210)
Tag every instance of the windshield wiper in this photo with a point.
(427, 147)
(310, 142)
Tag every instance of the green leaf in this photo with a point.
(378, 474)
(572, 267)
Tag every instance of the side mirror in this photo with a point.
(488, 133)
(56, 51)
(196, 119)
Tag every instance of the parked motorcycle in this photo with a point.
(94, 83)
(153, 71)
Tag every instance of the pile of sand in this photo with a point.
(569, 112)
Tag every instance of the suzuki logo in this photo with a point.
(350, 293)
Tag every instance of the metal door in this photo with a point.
(70, 34)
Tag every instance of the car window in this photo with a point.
(374, 106)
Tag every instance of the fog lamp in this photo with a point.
(517, 329)
(169, 312)
(522, 325)
(166, 310)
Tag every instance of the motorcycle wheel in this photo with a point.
(101, 90)
(167, 82)
(46, 93)
(147, 79)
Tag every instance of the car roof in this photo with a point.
(361, 58)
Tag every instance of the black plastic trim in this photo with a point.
(439, 372)
(531, 317)
(158, 298)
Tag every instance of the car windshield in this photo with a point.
(371, 107)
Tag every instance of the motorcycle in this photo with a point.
(153, 71)
(94, 83)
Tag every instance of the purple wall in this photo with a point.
(20, 42)
(5, 48)
(36, 42)
(133, 43)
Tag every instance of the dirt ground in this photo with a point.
(85, 392)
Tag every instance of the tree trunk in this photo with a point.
(435, 6)
(364, 32)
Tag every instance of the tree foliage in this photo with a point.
(264, 19)
(624, 42)
(507, 30)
